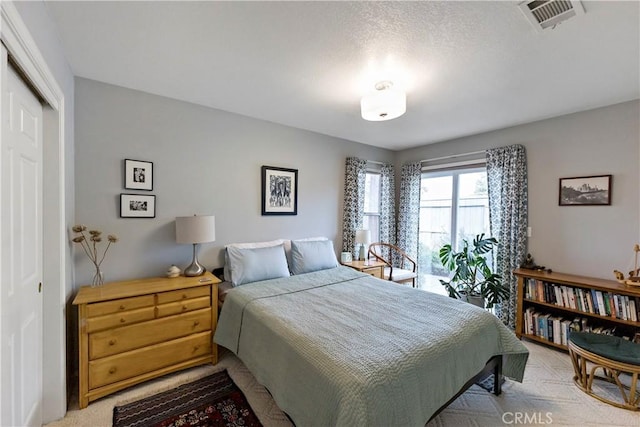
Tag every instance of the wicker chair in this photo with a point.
(405, 269)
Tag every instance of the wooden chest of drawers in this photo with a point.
(136, 330)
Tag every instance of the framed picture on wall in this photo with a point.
(138, 175)
(279, 191)
(585, 191)
(137, 206)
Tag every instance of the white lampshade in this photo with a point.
(195, 229)
(385, 103)
(363, 237)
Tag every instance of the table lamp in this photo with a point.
(363, 238)
(194, 230)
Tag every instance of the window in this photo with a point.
(454, 205)
(371, 218)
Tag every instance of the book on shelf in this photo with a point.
(608, 304)
(556, 329)
(601, 308)
(594, 298)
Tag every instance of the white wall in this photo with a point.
(585, 240)
(205, 161)
(56, 295)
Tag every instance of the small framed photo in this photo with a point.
(279, 191)
(137, 206)
(585, 191)
(138, 175)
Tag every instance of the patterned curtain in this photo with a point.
(409, 209)
(354, 182)
(387, 204)
(507, 182)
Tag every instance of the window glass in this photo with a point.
(371, 218)
(473, 206)
(454, 205)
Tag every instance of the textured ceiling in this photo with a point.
(467, 67)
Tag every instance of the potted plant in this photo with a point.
(473, 280)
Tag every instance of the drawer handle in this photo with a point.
(112, 370)
(122, 320)
(184, 308)
(122, 307)
(112, 342)
(196, 323)
(184, 296)
(196, 348)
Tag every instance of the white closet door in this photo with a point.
(21, 253)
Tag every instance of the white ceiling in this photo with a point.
(467, 67)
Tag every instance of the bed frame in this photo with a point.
(493, 366)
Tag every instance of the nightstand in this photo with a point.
(374, 268)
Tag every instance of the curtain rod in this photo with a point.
(453, 156)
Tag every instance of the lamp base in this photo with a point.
(361, 254)
(194, 269)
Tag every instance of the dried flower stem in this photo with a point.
(104, 254)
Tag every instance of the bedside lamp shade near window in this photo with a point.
(363, 238)
(194, 230)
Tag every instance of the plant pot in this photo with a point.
(477, 300)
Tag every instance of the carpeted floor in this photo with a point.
(546, 397)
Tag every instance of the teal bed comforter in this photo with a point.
(339, 347)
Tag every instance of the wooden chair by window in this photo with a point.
(405, 269)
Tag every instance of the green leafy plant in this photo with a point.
(471, 274)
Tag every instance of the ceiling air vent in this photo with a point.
(545, 14)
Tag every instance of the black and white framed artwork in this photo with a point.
(585, 191)
(137, 206)
(279, 191)
(138, 175)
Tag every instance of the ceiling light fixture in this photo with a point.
(385, 103)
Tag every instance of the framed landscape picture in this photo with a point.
(279, 191)
(585, 191)
(138, 175)
(137, 206)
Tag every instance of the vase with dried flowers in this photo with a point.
(90, 245)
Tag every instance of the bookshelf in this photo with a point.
(549, 305)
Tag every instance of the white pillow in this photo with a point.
(226, 271)
(255, 264)
(312, 255)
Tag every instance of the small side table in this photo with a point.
(374, 268)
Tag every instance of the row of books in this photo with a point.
(618, 306)
(556, 329)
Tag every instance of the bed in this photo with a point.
(338, 347)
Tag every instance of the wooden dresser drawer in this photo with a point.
(119, 340)
(120, 319)
(183, 294)
(116, 306)
(136, 362)
(183, 306)
(374, 271)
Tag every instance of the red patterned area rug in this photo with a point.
(211, 401)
